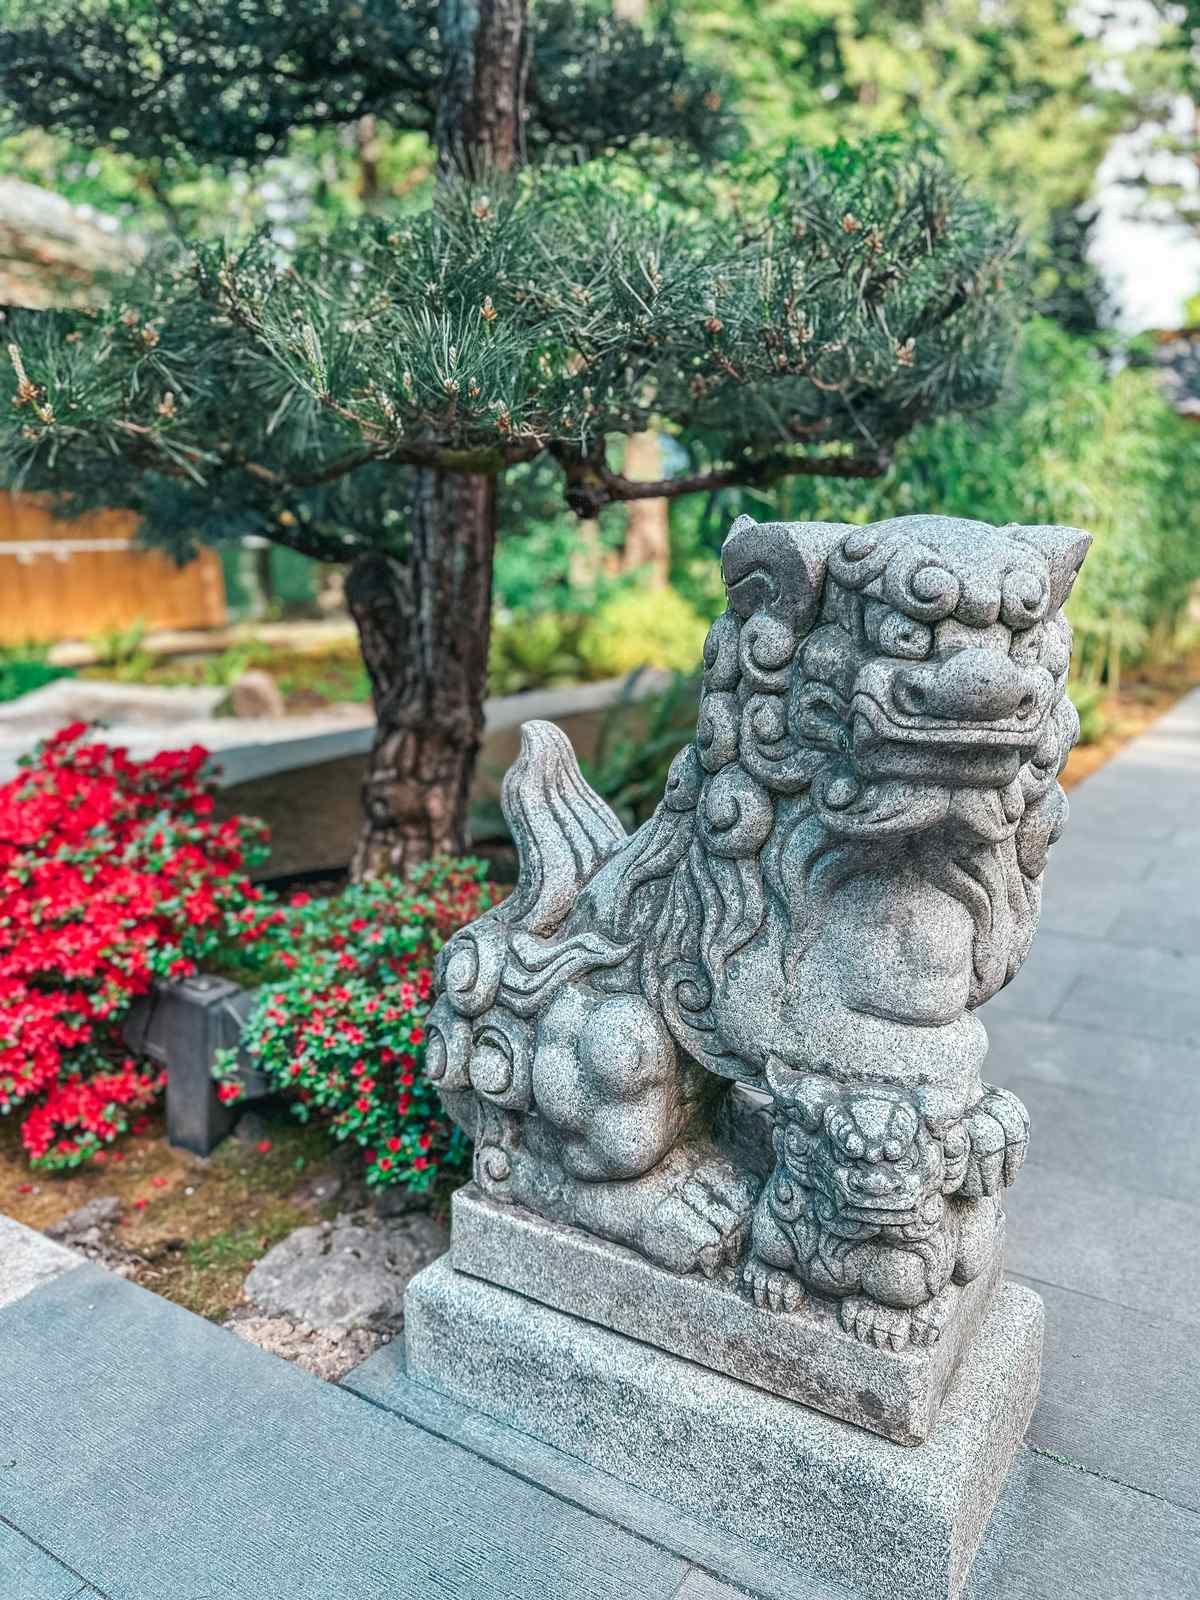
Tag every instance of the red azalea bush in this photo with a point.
(344, 1031)
(113, 873)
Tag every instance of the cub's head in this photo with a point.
(865, 1157)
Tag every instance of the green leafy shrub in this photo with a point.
(24, 669)
(120, 654)
(1089, 702)
(1076, 441)
(643, 628)
(535, 651)
(341, 1031)
(637, 744)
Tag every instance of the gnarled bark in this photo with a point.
(423, 621)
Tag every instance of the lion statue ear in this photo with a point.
(1062, 549)
(778, 567)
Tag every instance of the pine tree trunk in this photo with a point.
(424, 618)
(423, 622)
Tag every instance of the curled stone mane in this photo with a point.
(774, 752)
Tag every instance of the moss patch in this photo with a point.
(199, 1224)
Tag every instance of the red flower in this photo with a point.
(159, 1183)
(112, 874)
(263, 1146)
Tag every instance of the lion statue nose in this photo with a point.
(972, 685)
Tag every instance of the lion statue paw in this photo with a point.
(701, 1225)
(770, 1289)
(998, 1131)
(886, 1327)
(929, 1320)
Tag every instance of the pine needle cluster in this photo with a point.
(801, 324)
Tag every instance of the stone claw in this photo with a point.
(701, 1225)
(771, 1289)
(886, 1327)
(929, 1320)
(998, 1129)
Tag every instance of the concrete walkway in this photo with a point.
(147, 1455)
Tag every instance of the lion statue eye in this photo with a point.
(903, 636)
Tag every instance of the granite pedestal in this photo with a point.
(803, 1355)
(819, 1495)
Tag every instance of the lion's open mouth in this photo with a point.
(971, 754)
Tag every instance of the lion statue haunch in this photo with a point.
(846, 862)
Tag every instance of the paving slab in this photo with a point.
(28, 1260)
(1059, 1533)
(1092, 1062)
(1045, 987)
(703, 1586)
(1119, 1394)
(1154, 926)
(27, 1572)
(163, 1459)
(1136, 1251)
(1142, 1146)
(1151, 1012)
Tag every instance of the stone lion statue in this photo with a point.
(845, 864)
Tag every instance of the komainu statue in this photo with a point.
(846, 863)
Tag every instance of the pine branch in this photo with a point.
(867, 295)
(590, 485)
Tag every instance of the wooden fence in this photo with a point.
(73, 580)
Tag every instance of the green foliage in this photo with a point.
(1081, 441)
(865, 293)
(1163, 70)
(538, 650)
(638, 741)
(191, 83)
(1013, 92)
(1021, 96)
(1088, 699)
(25, 668)
(630, 630)
(642, 628)
(540, 543)
(341, 1029)
(120, 654)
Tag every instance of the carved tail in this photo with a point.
(562, 829)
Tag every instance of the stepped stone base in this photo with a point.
(801, 1355)
(818, 1495)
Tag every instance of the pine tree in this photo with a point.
(587, 268)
